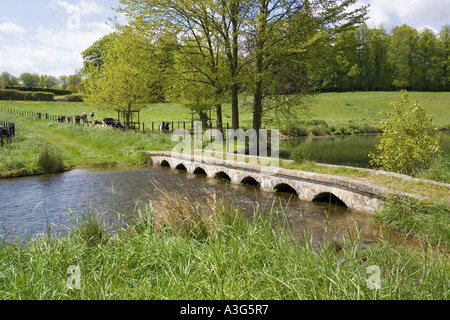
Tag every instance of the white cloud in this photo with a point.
(84, 7)
(12, 28)
(411, 12)
(50, 50)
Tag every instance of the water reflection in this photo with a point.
(340, 150)
(29, 205)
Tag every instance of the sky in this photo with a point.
(48, 36)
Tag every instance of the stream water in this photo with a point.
(28, 206)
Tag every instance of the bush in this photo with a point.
(71, 98)
(51, 160)
(42, 96)
(409, 142)
(16, 95)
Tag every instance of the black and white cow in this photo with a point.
(83, 117)
(164, 126)
(112, 122)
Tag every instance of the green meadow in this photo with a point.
(346, 112)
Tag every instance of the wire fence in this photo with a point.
(149, 126)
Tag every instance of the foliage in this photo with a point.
(10, 94)
(127, 81)
(50, 160)
(409, 141)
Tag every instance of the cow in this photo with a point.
(164, 126)
(77, 119)
(3, 131)
(112, 122)
(92, 116)
(61, 119)
(69, 119)
(83, 117)
(108, 122)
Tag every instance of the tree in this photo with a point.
(403, 57)
(95, 54)
(430, 62)
(278, 29)
(7, 79)
(46, 81)
(444, 37)
(409, 141)
(202, 46)
(30, 80)
(127, 81)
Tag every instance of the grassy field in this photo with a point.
(348, 112)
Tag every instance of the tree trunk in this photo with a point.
(219, 125)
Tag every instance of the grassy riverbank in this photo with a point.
(77, 146)
(214, 254)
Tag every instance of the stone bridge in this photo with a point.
(308, 186)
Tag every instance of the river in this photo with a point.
(29, 205)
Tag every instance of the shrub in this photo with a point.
(42, 96)
(51, 160)
(72, 98)
(409, 142)
(9, 94)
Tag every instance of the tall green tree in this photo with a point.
(206, 38)
(430, 62)
(278, 29)
(444, 41)
(7, 79)
(30, 80)
(403, 57)
(127, 81)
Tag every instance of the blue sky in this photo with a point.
(48, 36)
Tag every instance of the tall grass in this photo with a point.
(51, 160)
(159, 258)
(429, 221)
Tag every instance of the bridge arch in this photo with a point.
(330, 198)
(251, 181)
(181, 166)
(286, 188)
(199, 170)
(165, 163)
(222, 175)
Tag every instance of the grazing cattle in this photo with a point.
(77, 119)
(3, 131)
(108, 122)
(164, 126)
(112, 122)
(97, 122)
(83, 117)
(61, 119)
(69, 119)
(92, 116)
